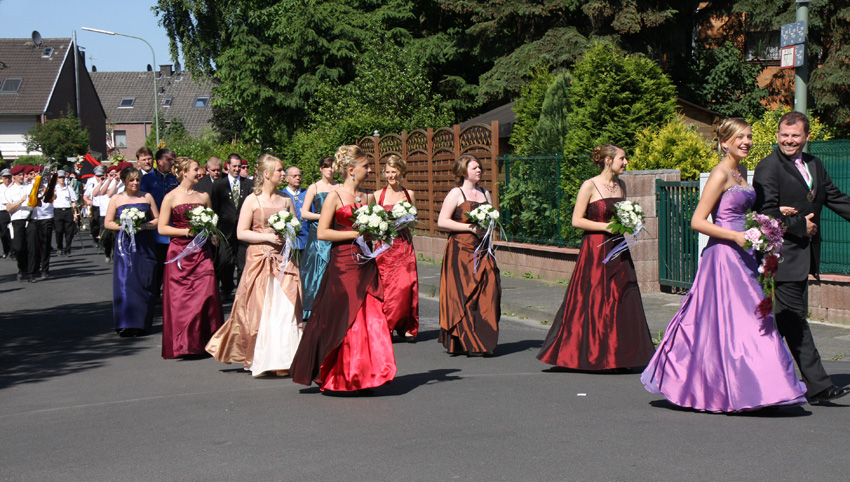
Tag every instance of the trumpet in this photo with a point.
(41, 190)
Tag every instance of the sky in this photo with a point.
(52, 19)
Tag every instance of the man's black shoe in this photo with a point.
(830, 394)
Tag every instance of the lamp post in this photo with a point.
(155, 101)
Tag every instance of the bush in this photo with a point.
(675, 146)
(29, 160)
(528, 108)
(59, 138)
(552, 126)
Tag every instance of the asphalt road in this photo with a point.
(79, 403)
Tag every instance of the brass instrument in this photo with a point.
(43, 190)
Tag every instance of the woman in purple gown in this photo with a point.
(191, 304)
(133, 278)
(717, 354)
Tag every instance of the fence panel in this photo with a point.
(531, 197)
(678, 244)
(835, 230)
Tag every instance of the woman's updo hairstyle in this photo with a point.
(181, 165)
(729, 129)
(265, 163)
(347, 156)
(398, 164)
(129, 173)
(600, 153)
(459, 169)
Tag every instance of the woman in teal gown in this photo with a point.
(316, 253)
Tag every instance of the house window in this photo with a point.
(202, 101)
(120, 139)
(763, 46)
(166, 101)
(127, 102)
(11, 86)
(47, 52)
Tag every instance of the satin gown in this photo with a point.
(133, 276)
(263, 330)
(601, 323)
(470, 302)
(400, 281)
(346, 345)
(717, 355)
(316, 256)
(191, 304)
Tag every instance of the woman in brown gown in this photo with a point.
(470, 298)
(265, 323)
(601, 323)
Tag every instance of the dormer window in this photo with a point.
(202, 102)
(47, 52)
(11, 86)
(166, 102)
(127, 103)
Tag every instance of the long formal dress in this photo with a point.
(717, 355)
(400, 281)
(470, 300)
(191, 304)
(601, 323)
(134, 276)
(263, 330)
(346, 345)
(316, 256)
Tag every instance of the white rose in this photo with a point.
(495, 215)
(374, 222)
(378, 209)
(296, 224)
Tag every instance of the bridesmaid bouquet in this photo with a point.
(486, 217)
(403, 215)
(132, 220)
(203, 221)
(373, 219)
(764, 235)
(628, 218)
(285, 224)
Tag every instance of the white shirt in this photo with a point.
(45, 211)
(15, 193)
(64, 196)
(3, 196)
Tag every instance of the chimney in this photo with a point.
(165, 70)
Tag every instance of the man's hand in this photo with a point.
(811, 228)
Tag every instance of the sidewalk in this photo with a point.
(534, 301)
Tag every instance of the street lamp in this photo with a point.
(155, 102)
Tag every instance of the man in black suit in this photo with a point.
(213, 168)
(790, 177)
(228, 194)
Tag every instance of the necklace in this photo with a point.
(612, 188)
(736, 175)
(189, 192)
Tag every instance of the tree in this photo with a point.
(614, 96)
(552, 126)
(527, 108)
(675, 145)
(59, 138)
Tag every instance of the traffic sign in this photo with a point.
(792, 34)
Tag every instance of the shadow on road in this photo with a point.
(767, 412)
(407, 383)
(39, 344)
(516, 347)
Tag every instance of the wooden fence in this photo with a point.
(430, 156)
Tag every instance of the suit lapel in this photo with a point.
(789, 166)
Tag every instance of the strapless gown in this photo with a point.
(601, 323)
(264, 327)
(191, 304)
(346, 344)
(717, 355)
(316, 256)
(400, 282)
(133, 276)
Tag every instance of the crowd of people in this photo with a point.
(315, 309)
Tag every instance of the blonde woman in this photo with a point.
(191, 305)
(265, 323)
(346, 344)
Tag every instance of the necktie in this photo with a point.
(803, 172)
(234, 191)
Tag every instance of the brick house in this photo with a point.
(128, 98)
(39, 83)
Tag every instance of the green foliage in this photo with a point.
(528, 106)
(722, 80)
(675, 146)
(29, 160)
(59, 138)
(531, 198)
(764, 133)
(552, 126)
(614, 96)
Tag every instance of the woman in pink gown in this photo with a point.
(346, 345)
(397, 265)
(191, 306)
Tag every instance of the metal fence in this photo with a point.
(835, 231)
(678, 244)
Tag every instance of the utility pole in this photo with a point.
(801, 76)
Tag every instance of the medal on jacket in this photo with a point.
(811, 196)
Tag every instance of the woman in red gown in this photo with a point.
(191, 306)
(397, 265)
(601, 324)
(346, 345)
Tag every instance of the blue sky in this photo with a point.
(53, 18)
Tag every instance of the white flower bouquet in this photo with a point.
(628, 218)
(484, 216)
(132, 220)
(285, 224)
(373, 219)
(403, 215)
(202, 220)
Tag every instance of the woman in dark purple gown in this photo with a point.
(191, 304)
(133, 279)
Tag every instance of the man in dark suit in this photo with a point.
(228, 194)
(790, 177)
(159, 182)
(213, 168)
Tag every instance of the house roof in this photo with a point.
(38, 73)
(180, 88)
(504, 114)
